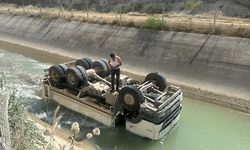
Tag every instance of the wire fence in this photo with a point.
(157, 18)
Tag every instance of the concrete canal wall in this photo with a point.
(214, 64)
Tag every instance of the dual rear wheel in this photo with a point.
(76, 77)
(57, 74)
(85, 63)
(72, 77)
(102, 68)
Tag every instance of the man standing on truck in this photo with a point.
(115, 63)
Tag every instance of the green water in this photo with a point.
(202, 126)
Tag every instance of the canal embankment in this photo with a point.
(213, 68)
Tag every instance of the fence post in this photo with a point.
(59, 13)
(163, 12)
(23, 8)
(40, 8)
(120, 15)
(87, 8)
(62, 9)
(215, 17)
(8, 6)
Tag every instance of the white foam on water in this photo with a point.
(68, 122)
(42, 66)
(41, 115)
(2, 55)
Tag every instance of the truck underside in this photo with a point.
(149, 109)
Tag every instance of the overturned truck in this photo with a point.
(148, 108)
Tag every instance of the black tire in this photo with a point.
(56, 75)
(89, 61)
(133, 116)
(74, 77)
(133, 81)
(107, 64)
(84, 75)
(64, 67)
(158, 79)
(83, 62)
(101, 68)
(130, 98)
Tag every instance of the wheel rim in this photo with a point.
(72, 77)
(153, 81)
(129, 99)
(99, 70)
(55, 76)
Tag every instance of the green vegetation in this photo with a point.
(194, 5)
(152, 8)
(154, 23)
(24, 134)
(123, 8)
(138, 7)
(45, 15)
(156, 8)
(28, 2)
(128, 23)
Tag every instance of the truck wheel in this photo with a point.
(74, 77)
(89, 62)
(64, 67)
(107, 64)
(158, 79)
(83, 62)
(133, 81)
(84, 75)
(130, 98)
(101, 68)
(56, 74)
(133, 117)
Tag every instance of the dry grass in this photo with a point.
(174, 22)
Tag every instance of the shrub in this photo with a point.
(137, 6)
(50, 16)
(115, 22)
(194, 5)
(153, 23)
(24, 134)
(152, 8)
(128, 23)
(125, 8)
